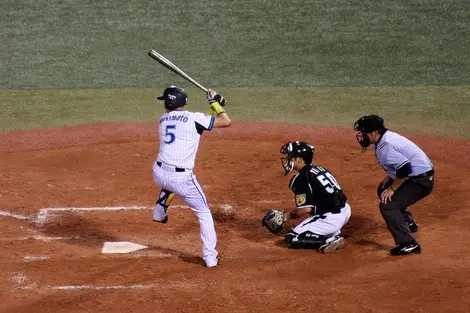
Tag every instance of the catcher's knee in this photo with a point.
(291, 239)
(305, 240)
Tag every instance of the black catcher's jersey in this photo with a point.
(315, 187)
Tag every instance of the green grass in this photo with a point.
(440, 111)
(68, 62)
(57, 44)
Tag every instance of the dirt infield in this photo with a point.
(56, 265)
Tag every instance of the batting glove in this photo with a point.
(213, 96)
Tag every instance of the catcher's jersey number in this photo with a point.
(329, 182)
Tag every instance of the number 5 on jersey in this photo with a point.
(329, 182)
(170, 134)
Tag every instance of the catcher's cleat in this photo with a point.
(332, 245)
(413, 226)
(406, 248)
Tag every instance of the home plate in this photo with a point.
(121, 247)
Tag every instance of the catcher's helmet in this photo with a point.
(174, 97)
(296, 149)
(368, 124)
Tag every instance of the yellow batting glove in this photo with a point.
(217, 108)
(211, 112)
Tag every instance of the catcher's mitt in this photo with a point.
(274, 220)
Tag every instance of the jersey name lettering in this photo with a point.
(317, 169)
(177, 118)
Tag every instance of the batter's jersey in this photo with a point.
(180, 133)
(315, 187)
(394, 151)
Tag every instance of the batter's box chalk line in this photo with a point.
(45, 214)
(23, 284)
(16, 216)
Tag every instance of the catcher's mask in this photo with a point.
(296, 149)
(174, 97)
(366, 125)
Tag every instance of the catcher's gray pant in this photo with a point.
(395, 212)
(186, 186)
(327, 225)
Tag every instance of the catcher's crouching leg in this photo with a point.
(305, 240)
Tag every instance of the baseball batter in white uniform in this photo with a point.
(179, 133)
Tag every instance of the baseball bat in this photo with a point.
(165, 62)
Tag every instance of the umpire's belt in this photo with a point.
(170, 168)
(424, 175)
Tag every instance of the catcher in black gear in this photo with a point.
(318, 197)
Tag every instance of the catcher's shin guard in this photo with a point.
(305, 240)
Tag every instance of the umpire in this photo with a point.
(410, 178)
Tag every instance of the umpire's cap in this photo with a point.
(369, 123)
(174, 97)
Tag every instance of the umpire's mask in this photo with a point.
(368, 124)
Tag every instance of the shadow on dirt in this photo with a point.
(373, 244)
(81, 231)
(183, 256)
(249, 228)
(87, 233)
(362, 226)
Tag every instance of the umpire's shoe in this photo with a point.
(406, 248)
(332, 245)
(413, 226)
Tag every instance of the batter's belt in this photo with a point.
(170, 168)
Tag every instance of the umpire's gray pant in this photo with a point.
(395, 212)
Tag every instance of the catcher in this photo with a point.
(318, 199)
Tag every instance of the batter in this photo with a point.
(180, 133)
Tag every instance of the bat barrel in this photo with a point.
(168, 64)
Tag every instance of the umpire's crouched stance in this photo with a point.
(410, 178)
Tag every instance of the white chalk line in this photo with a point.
(41, 238)
(105, 287)
(45, 213)
(15, 215)
(29, 258)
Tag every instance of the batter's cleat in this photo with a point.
(212, 263)
(332, 245)
(406, 248)
(163, 221)
(413, 226)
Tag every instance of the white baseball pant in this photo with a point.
(185, 185)
(328, 224)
